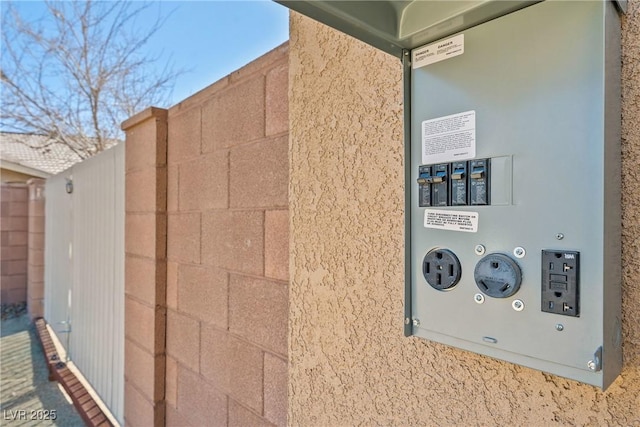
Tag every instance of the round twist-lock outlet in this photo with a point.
(441, 269)
(498, 276)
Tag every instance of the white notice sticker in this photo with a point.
(449, 138)
(451, 220)
(438, 51)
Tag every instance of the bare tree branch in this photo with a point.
(81, 70)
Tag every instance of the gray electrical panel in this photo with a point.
(512, 168)
(513, 209)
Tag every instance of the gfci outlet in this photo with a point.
(560, 282)
(513, 188)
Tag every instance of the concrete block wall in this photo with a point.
(227, 250)
(14, 226)
(35, 259)
(206, 241)
(145, 267)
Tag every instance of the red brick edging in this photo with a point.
(58, 370)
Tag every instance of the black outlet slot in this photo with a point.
(441, 269)
(498, 276)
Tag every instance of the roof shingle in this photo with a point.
(38, 152)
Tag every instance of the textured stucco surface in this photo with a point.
(349, 362)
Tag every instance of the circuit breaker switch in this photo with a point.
(440, 173)
(424, 186)
(440, 186)
(479, 182)
(424, 176)
(458, 184)
(477, 173)
(458, 174)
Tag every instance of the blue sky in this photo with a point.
(208, 39)
(214, 38)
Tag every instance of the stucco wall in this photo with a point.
(349, 362)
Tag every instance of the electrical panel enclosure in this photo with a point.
(512, 173)
(513, 189)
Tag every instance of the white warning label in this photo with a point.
(449, 138)
(438, 51)
(451, 220)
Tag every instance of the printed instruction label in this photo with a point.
(438, 51)
(451, 220)
(449, 138)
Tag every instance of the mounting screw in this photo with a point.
(559, 327)
(559, 236)
(407, 320)
(591, 364)
(517, 305)
(416, 322)
(479, 298)
(519, 252)
(479, 249)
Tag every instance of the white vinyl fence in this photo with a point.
(84, 270)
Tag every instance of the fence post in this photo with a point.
(35, 256)
(145, 266)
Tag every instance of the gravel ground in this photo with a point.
(27, 397)
(9, 311)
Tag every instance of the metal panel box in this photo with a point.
(519, 258)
